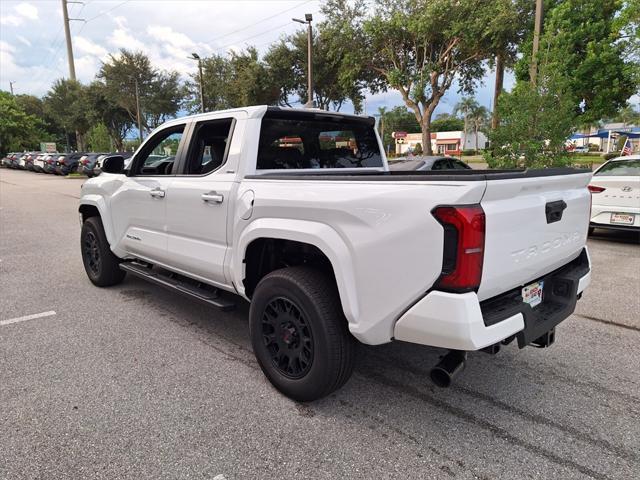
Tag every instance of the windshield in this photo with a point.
(620, 168)
(311, 141)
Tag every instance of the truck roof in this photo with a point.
(258, 111)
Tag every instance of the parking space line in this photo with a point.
(27, 317)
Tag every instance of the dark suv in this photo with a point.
(67, 163)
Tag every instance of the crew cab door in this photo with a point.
(199, 201)
(138, 206)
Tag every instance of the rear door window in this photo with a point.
(313, 142)
(209, 146)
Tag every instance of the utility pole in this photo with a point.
(533, 73)
(307, 19)
(138, 112)
(11, 87)
(195, 56)
(67, 34)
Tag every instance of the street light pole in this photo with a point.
(11, 87)
(307, 19)
(195, 56)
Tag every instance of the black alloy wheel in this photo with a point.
(287, 336)
(91, 252)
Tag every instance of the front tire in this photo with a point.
(101, 265)
(299, 333)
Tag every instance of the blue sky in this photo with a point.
(33, 53)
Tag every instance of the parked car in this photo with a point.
(67, 163)
(87, 163)
(28, 161)
(38, 162)
(330, 247)
(615, 190)
(50, 162)
(13, 160)
(7, 160)
(428, 163)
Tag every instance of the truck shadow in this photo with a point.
(615, 236)
(497, 399)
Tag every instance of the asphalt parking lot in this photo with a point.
(136, 382)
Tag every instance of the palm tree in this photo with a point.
(479, 119)
(466, 106)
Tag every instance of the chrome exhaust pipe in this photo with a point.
(448, 367)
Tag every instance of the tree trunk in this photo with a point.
(495, 119)
(426, 133)
(476, 134)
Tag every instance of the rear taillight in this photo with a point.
(596, 189)
(463, 252)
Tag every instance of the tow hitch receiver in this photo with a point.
(545, 340)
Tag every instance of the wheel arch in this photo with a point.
(314, 239)
(94, 206)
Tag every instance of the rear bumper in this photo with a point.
(601, 217)
(461, 322)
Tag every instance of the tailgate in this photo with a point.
(534, 225)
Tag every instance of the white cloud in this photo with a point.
(167, 34)
(11, 20)
(27, 10)
(121, 38)
(84, 45)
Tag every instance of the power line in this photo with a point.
(107, 11)
(258, 22)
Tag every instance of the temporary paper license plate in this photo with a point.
(532, 294)
(623, 218)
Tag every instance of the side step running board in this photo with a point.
(173, 282)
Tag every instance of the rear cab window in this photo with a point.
(313, 141)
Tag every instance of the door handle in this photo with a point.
(157, 193)
(212, 197)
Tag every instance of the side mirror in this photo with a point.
(113, 164)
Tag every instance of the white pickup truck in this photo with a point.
(297, 212)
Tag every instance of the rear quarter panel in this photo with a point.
(384, 245)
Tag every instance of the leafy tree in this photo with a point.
(535, 122)
(18, 130)
(160, 93)
(446, 122)
(587, 42)
(398, 119)
(98, 139)
(250, 81)
(216, 75)
(104, 109)
(419, 47)
(336, 80)
(512, 23)
(66, 104)
(628, 115)
(164, 100)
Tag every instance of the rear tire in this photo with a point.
(299, 333)
(101, 265)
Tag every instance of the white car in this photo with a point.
(615, 189)
(296, 211)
